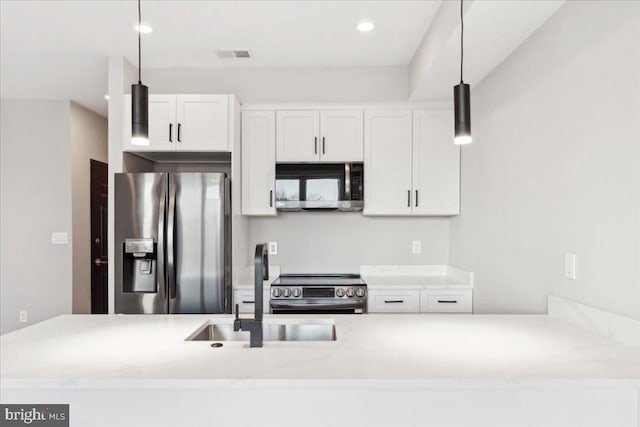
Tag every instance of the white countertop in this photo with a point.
(74, 349)
(416, 277)
(415, 282)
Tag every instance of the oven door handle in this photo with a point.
(277, 305)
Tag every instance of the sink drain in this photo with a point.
(216, 344)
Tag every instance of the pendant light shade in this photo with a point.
(462, 110)
(139, 114)
(462, 98)
(139, 102)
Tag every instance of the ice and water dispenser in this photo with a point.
(139, 265)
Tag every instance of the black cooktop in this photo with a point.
(319, 280)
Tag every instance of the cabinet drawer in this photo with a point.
(394, 301)
(246, 301)
(446, 302)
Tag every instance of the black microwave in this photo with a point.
(319, 186)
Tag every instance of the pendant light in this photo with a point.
(462, 99)
(139, 101)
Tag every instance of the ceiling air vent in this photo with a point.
(233, 54)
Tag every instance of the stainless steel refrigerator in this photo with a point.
(173, 243)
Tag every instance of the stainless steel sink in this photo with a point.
(271, 332)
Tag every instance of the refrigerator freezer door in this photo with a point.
(197, 232)
(140, 217)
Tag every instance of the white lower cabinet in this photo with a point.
(246, 301)
(438, 301)
(420, 301)
(393, 301)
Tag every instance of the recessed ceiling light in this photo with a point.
(106, 97)
(143, 28)
(365, 26)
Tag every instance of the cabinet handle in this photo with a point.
(315, 142)
(416, 198)
(323, 145)
(248, 302)
(271, 198)
(170, 132)
(408, 198)
(445, 301)
(179, 128)
(393, 301)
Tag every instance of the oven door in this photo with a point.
(318, 306)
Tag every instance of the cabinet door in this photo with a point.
(436, 164)
(297, 136)
(341, 136)
(246, 302)
(387, 158)
(162, 116)
(203, 122)
(258, 162)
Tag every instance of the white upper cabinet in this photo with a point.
(412, 166)
(387, 157)
(319, 136)
(182, 123)
(297, 136)
(341, 136)
(436, 164)
(258, 162)
(203, 122)
(162, 113)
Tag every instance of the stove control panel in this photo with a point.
(318, 292)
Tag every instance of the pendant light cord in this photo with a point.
(139, 44)
(461, 40)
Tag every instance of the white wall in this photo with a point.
(121, 75)
(325, 242)
(35, 196)
(88, 133)
(251, 85)
(555, 167)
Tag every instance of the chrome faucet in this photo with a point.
(261, 273)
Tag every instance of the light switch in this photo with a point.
(22, 316)
(570, 266)
(59, 238)
(416, 246)
(273, 248)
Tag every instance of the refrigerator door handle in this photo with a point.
(161, 241)
(171, 250)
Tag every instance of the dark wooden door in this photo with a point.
(99, 243)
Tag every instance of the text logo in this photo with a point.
(34, 415)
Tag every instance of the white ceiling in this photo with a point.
(492, 31)
(59, 49)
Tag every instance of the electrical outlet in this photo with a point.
(273, 248)
(570, 266)
(59, 238)
(416, 247)
(22, 318)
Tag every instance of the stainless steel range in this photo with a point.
(319, 293)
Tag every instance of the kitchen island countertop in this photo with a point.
(383, 370)
(466, 347)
